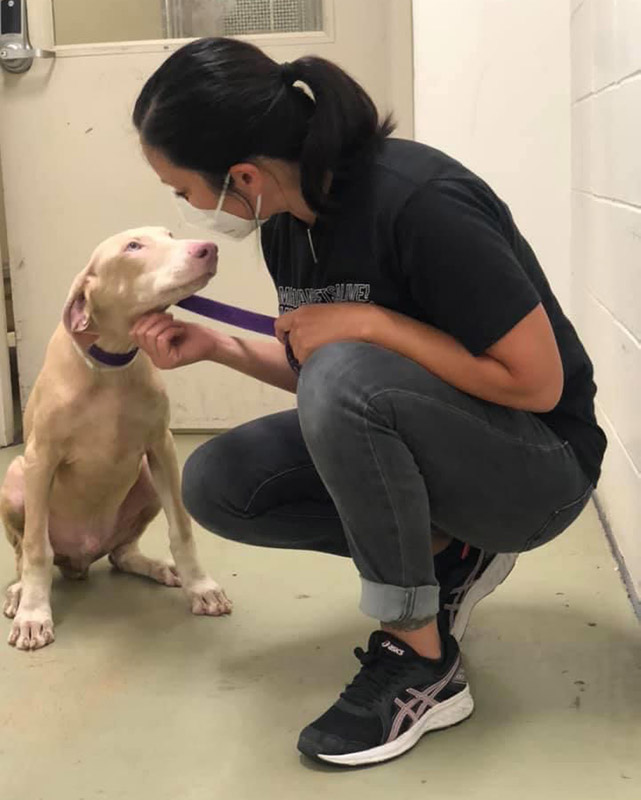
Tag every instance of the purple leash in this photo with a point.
(248, 320)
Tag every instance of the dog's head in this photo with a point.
(133, 272)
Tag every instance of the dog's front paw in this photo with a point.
(208, 598)
(32, 629)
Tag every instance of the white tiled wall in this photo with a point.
(606, 244)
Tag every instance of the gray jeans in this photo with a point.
(378, 454)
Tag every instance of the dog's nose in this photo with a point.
(202, 249)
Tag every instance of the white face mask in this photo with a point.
(221, 221)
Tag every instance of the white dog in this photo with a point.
(99, 458)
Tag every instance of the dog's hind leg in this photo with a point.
(140, 507)
(128, 558)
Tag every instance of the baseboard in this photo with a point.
(622, 569)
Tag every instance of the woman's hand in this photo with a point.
(171, 343)
(313, 326)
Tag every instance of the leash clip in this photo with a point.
(294, 363)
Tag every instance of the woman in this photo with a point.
(445, 416)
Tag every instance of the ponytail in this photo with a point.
(217, 102)
(344, 122)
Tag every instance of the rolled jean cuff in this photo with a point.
(401, 604)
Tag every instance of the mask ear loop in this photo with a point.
(222, 196)
(259, 247)
(259, 200)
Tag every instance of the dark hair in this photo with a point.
(217, 102)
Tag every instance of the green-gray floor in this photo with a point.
(138, 700)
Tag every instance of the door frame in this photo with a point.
(7, 432)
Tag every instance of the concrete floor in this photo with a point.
(138, 700)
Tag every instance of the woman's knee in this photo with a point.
(193, 483)
(345, 380)
(332, 385)
(207, 488)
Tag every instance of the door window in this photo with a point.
(124, 21)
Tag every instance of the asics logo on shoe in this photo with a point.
(392, 648)
(420, 701)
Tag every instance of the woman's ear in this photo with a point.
(247, 176)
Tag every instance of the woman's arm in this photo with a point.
(521, 370)
(265, 361)
(172, 343)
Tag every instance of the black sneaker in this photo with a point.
(395, 698)
(466, 575)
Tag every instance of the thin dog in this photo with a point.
(99, 460)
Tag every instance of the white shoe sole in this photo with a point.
(494, 575)
(444, 715)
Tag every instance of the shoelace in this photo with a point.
(374, 677)
(455, 594)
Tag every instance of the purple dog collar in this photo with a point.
(248, 320)
(111, 359)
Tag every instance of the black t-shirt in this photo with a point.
(414, 231)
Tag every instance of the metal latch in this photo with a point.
(16, 52)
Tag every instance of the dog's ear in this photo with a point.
(76, 315)
(79, 317)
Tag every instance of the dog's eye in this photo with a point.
(133, 246)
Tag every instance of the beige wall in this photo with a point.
(606, 245)
(492, 88)
(84, 21)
